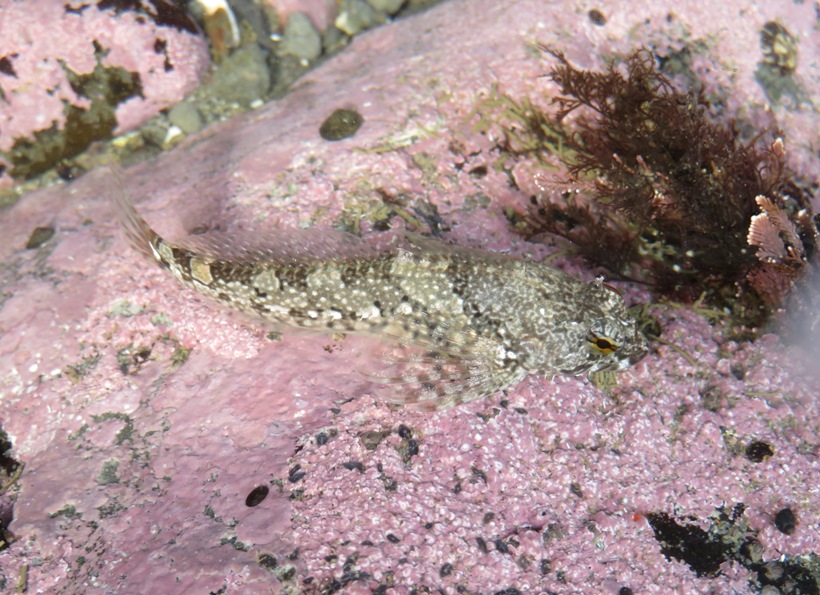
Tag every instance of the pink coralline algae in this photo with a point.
(149, 420)
(58, 59)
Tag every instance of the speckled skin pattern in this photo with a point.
(478, 322)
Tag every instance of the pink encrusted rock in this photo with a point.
(146, 416)
(42, 41)
(320, 12)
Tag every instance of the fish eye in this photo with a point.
(603, 344)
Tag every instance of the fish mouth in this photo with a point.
(586, 368)
(621, 364)
(637, 356)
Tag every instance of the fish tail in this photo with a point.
(139, 234)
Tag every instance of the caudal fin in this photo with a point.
(136, 229)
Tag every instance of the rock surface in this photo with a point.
(74, 72)
(146, 417)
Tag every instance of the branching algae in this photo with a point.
(659, 193)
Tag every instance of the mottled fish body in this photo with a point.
(465, 323)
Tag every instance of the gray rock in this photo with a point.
(300, 38)
(186, 116)
(243, 77)
(355, 16)
(389, 7)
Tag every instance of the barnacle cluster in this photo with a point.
(777, 71)
(657, 191)
(779, 47)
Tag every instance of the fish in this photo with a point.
(459, 324)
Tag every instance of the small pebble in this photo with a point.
(186, 116)
(243, 77)
(355, 16)
(39, 236)
(389, 7)
(758, 451)
(785, 521)
(342, 123)
(597, 17)
(256, 496)
(300, 38)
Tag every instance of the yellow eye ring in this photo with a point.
(602, 344)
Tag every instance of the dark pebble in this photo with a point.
(758, 451)
(256, 496)
(267, 561)
(39, 236)
(597, 17)
(341, 124)
(785, 521)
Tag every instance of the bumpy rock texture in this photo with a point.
(147, 418)
(75, 72)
